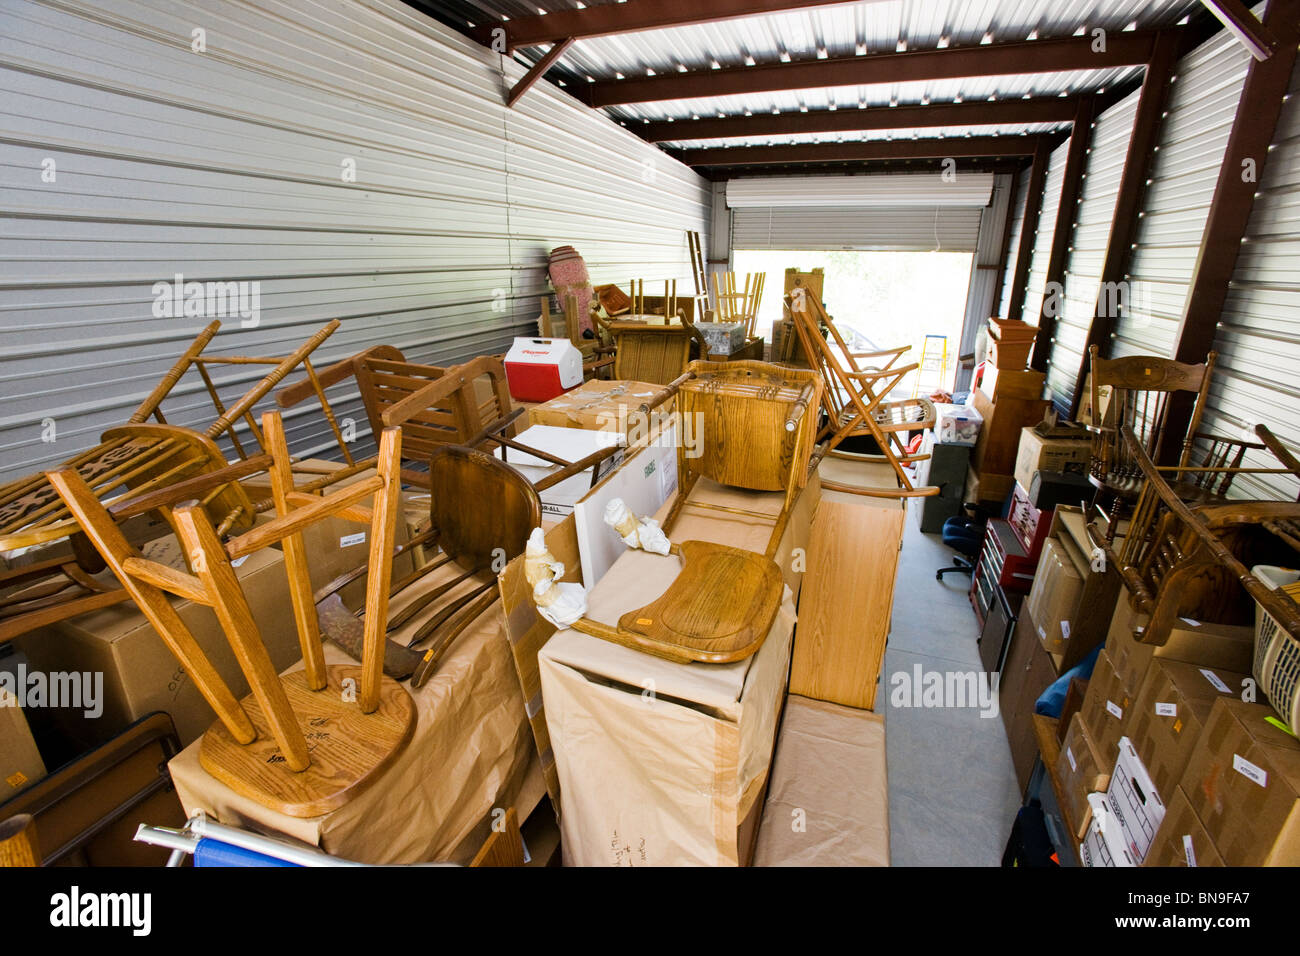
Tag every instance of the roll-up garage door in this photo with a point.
(1193, 137)
(1098, 195)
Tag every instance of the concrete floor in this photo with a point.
(952, 789)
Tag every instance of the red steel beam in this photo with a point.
(632, 16)
(1055, 109)
(1256, 37)
(537, 71)
(997, 59)
(954, 147)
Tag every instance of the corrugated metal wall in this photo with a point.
(981, 298)
(1036, 282)
(1013, 241)
(1193, 137)
(231, 164)
(1098, 195)
(1258, 339)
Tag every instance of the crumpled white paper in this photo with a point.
(643, 533)
(560, 602)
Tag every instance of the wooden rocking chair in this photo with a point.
(131, 460)
(358, 719)
(757, 423)
(854, 402)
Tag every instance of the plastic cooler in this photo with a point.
(1277, 654)
(537, 370)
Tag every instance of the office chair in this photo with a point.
(965, 535)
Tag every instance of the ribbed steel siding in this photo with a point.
(1092, 219)
(226, 165)
(1013, 240)
(981, 297)
(1259, 334)
(1193, 137)
(1036, 282)
(910, 228)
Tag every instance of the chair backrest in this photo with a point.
(214, 583)
(653, 353)
(756, 421)
(438, 410)
(1141, 389)
(481, 509)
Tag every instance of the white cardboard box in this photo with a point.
(1134, 802)
(1105, 843)
(571, 444)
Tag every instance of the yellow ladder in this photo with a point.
(934, 359)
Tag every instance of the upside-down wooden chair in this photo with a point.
(132, 460)
(653, 348)
(358, 719)
(757, 424)
(855, 404)
(1142, 389)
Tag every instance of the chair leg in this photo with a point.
(963, 564)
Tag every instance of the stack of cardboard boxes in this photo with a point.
(1171, 762)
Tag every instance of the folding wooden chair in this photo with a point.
(855, 404)
(757, 421)
(358, 719)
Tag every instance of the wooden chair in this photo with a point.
(358, 719)
(757, 424)
(1142, 389)
(133, 459)
(855, 405)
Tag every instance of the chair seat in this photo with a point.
(718, 610)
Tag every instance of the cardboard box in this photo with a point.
(1210, 645)
(987, 487)
(1182, 840)
(1054, 597)
(596, 405)
(571, 445)
(20, 760)
(335, 546)
(1170, 711)
(1080, 770)
(1038, 453)
(140, 674)
(1243, 782)
(1105, 844)
(1106, 710)
(1134, 800)
(659, 763)
(846, 811)
(813, 281)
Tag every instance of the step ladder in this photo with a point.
(932, 374)
(700, 274)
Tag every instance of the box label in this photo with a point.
(1116, 711)
(1069, 754)
(1248, 770)
(1189, 851)
(1215, 681)
(1166, 710)
(16, 779)
(348, 540)
(1065, 630)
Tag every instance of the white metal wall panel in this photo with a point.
(227, 164)
(1092, 219)
(1013, 240)
(905, 229)
(982, 292)
(1193, 137)
(874, 189)
(1258, 339)
(1036, 281)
